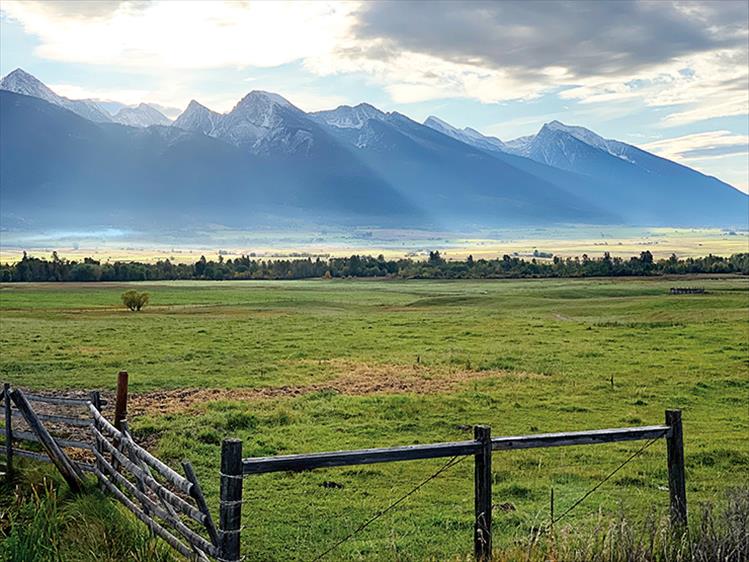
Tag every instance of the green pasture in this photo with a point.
(522, 356)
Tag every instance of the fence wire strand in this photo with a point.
(608, 477)
(448, 465)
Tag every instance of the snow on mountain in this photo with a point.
(519, 146)
(111, 106)
(347, 117)
(142, 115)
(613, 147)
(264, 121)
(21, 82)
(198, 118)
(467, 135)
(525, 146)
(261, 122)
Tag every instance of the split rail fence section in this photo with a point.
(174, 508)
(171, 505)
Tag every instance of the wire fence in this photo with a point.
(173, 507)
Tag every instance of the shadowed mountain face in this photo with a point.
(268, 163)
(59, 168)
(644, 188)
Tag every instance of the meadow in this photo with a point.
(308, 366)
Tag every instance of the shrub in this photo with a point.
(134, 300)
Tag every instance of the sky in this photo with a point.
(669, 77)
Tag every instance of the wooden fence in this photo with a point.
(481, 448)
(171, 505)
(174, 508)
(51, 432)
(687, 291)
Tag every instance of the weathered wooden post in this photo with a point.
(230, 509)
(120, 406)
(197, 493)
(677, 484)
(482, 533)
(8, 429)
(68, 470)
(95, 398)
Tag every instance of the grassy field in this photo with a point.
(315, 365)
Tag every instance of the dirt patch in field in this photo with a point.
(355, 380)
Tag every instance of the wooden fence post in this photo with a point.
(197, 494)
(120, 407)
(8, 429)
(482, 535)
(57, 456)
(230, 514)
(676, 476)
(95, 398)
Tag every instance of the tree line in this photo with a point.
(434, 267)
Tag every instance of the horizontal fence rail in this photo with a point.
(308, 461)
(481, 448)
(43, 429)
(62, 401)
(565, 439)
(361, 456)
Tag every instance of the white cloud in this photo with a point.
(721, 143)
(699, 87)
(691, 58)
(186, 35)
(124, 96)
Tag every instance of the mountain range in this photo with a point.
(266, 162)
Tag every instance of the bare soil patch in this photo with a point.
(355, 379)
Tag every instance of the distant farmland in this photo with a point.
(309, 366)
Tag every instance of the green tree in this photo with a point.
(134, 300)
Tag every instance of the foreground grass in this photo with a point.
(522, 356)
(41, 521)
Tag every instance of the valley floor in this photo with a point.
(179, 247)
(322, 365)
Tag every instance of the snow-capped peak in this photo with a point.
(467, 135)
(262, 100)
(21, 82)
(348, 117)
(613, 147)
(198, 118)
(439, 125)
(143, 115)
(580, 133)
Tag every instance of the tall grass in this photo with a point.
(41, 521)
(715, 534)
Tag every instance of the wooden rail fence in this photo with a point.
(174, 508)
(481, 448)
(171, 505)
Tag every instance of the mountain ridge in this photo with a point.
(355, 159)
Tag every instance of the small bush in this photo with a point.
(134, 300)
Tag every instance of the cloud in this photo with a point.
(584, 38)
(689, 57)
(182, 35)
(658, 54)
(697, 87)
